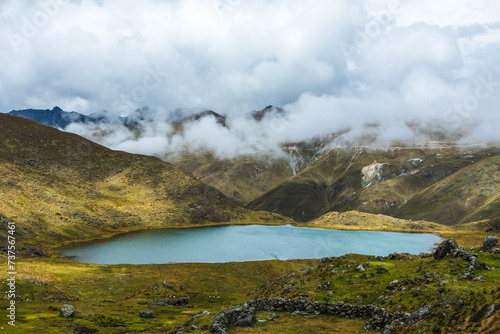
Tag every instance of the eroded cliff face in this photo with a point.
(372, 171)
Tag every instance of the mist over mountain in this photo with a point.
(393, 70)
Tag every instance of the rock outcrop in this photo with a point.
(445, 249)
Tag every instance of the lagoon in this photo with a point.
(244, 243)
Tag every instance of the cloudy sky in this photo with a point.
(333, 64)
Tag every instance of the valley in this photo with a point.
(59, 188)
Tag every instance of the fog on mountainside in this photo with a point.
(381, 72)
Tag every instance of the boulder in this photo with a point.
(146, 314)
(67, 311)
(445, 249)
(490, 242)
(382, 269)
(483, 313)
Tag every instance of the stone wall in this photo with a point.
(244, 315)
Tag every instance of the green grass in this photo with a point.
(453, 302)
(108, 298)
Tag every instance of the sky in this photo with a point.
(334, 65)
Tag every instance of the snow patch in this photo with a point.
(415, 162)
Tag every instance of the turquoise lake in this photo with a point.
(245, 243)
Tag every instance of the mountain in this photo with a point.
(259, 115)
(54, 117)
(58, 118)
(445, 185)
(242, 179)
(245, 178)
(316, 176)
(58, 186)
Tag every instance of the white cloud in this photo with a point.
(408, 62)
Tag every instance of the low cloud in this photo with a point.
(332, 65)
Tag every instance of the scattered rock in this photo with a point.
(443, 283)
(360, 268)
(146, 314)
(192, 324)
(445, 249)
(423, 313)
(180, 302)
(381, 269)
(327, 260)
(34, 251)
(393, 285)
(490, 242)
(479, 279)
(67, 311)
(167, 285)
(244, 319)
(483, 313)
(389, 330)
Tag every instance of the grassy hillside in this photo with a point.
(241, 180)
(393, 182)
(471, 194)
(60, 187)
(409, 283)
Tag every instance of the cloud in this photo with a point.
(333, 65)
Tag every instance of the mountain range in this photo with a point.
(59, 188)
(440, 182)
